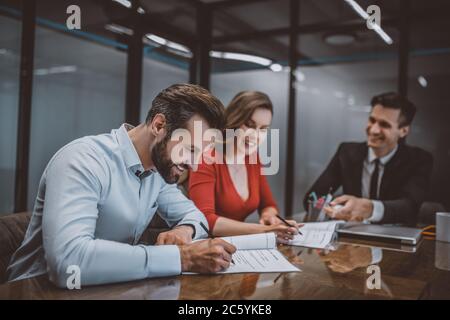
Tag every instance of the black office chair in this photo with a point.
(427, 213)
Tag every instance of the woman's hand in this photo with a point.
(283, 232)
(268, 217)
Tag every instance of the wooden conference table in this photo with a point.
(405, 274)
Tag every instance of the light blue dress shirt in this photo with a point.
(91, 210)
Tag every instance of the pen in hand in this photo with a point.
(210, 235)
(287, 223)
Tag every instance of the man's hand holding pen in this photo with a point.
(206, 256)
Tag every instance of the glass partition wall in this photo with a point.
(10, 38)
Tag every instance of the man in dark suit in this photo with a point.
(384, 180)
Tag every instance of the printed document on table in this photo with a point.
(253, 241)
(316, 234)
(263, 260)
(256, 253)
(258, 260)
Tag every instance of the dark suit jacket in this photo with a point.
(404, 184)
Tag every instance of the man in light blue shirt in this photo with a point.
(98, 194)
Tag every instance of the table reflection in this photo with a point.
(347, 258)
(342, 273)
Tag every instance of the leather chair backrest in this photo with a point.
(12, 232)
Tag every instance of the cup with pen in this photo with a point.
(316, 206)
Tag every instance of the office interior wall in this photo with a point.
(10, 38)
(428, 87)
(78, 90)
(156, 76)
(275, 84)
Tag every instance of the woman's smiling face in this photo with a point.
(254, 131)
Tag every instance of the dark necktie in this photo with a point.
(374, 181)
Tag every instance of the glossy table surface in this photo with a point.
(420, 272)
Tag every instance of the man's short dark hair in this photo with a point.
(394, 100)
(179, 102)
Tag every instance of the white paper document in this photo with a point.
(260, 260)
(257, 253)
(316, 234)
(253, 241)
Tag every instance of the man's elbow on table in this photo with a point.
(64, 263)
(56, 269)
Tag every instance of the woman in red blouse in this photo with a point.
(228, 192)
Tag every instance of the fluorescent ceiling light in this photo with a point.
(363, 14)
(128, 4)
(275, 67)
(299, 76)
(186, 54)
(383, 34)
(55, 70)
(7, 53)
(118, 29)
(339, 39)
(171, 46)
(422, 81)
(177, 47)
(215, 54)
(125, 3)
(156, 39)
(241, 57)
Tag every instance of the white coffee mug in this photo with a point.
(443, 226)
(442, 255)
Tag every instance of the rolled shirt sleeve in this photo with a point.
(74, 182)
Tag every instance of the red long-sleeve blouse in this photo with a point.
(213, 192)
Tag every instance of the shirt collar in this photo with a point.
(129, 153)
(383, 160)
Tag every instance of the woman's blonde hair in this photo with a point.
(242, 106)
